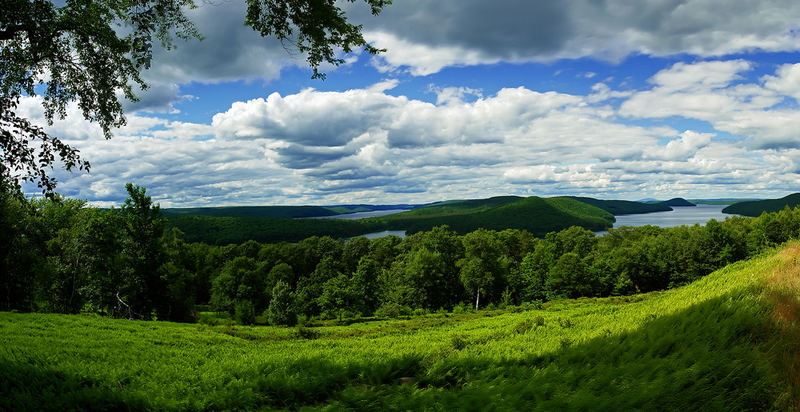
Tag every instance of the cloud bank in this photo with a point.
(366, 144)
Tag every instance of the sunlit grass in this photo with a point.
(727, 341)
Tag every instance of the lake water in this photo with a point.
(678, 216)
(688, 215)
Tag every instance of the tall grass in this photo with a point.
(727, 341)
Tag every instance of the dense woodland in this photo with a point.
(58, 255)
(756, 207)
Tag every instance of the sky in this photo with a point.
(473, 98)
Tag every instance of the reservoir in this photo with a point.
(688, 215)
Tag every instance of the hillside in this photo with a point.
(226, 230)
(726, 342)
(756, 208)
(623, 207)
(534, 214)
(270, 212)
(677, 201)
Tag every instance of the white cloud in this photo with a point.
(425, 36)
(361, 144)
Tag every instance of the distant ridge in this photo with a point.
(756, 208)
(677, 201)
(538, 216)
(272, 212)
(623, 207)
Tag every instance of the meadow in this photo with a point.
(728, 341)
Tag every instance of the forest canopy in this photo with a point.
(59, 255)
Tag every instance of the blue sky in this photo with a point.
(609, 99)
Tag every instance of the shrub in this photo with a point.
(306, 333)
(245, 312)
(392, 310)
(523, 327)
(458, 342)
(461, 308)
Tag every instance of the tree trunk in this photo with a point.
(477, 299)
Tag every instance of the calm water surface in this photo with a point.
(678, 216)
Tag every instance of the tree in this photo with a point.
(87, 51)
(281, 307)
(568, 278)
(337, 296)
(242, 279)
(144, 254)
(366, 287)
(483, 263)
(20, 250)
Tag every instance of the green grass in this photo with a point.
(757, 207)
(725, 342)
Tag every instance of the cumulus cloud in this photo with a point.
(366, 144)
(713, 92)
(424, 36)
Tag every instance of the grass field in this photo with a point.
(726, 342)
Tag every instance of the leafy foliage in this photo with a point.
(281, 307)
(88, 51)
(76, 52)
(757, 207)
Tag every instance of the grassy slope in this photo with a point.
(756, 208)
(728, 341)
(623, 207)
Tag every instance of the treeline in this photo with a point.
(757, 207)
(61, 256)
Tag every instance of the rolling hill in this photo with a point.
(534, 214)
(269, 212)
(623, 207)
(756, 208)
(677, 201)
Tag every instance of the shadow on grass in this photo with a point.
(716, 355)
(29, 386)
(712, 356)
